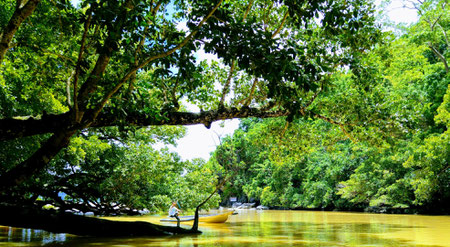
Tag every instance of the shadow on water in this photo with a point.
(249, 233)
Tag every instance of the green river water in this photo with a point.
(271, 228)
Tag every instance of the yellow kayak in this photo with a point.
(211, 218)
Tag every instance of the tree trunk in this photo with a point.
(52, 221)
(37, 161)
(20, 14)
(195, 224)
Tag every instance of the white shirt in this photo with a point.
(173, 210)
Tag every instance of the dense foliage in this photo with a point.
(80, 86)
(112, 172)
(390, 150)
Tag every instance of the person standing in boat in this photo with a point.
(174, 212)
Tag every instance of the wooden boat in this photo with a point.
(210, 218)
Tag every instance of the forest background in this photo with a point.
(400, 163)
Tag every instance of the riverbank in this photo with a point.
(441, 209)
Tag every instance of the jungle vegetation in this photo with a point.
(389, 148)
(341, 114)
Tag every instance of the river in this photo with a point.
(271, 228)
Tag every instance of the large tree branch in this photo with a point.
(20, 14)
(186, 118)
(17, 128)
(37, 161)
(63, 133)
(12, 128)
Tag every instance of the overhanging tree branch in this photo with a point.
(186, 118)
(18, 128)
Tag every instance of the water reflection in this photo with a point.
(10, 236)
(271, 228)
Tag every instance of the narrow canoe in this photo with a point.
(211, 218)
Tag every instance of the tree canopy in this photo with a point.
(68, 69)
